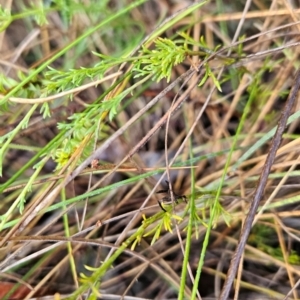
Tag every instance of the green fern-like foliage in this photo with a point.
(161, 60)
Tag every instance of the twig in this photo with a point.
(260, 188)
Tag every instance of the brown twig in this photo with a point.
(260, 188)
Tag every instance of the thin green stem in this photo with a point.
(23, 123)
(21, 198)
(192, 208)
(216, 205)
(69, 244)
(45, 150)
